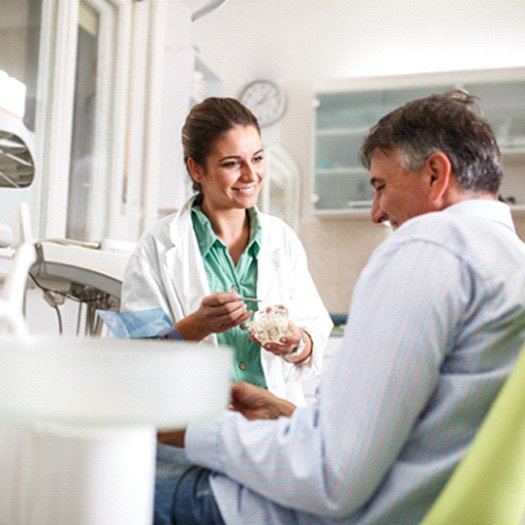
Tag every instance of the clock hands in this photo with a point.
(262, 100)
(265, 99)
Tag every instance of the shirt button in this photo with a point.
(243, 366)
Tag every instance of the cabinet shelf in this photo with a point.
(340, 170)
(350, 213)
(344, 111)
(517, 210)
(327, 132)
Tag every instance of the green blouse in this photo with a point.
(222, 275)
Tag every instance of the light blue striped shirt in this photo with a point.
(436, 322)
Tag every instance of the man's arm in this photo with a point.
(330, 459)
(254, 402)
(251, 401)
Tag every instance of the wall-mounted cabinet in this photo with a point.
(344, 111)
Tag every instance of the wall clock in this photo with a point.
(265, 99)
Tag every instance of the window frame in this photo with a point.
(131, 38)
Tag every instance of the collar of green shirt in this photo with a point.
(206, 237)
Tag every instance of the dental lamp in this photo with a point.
(17, 165)
(79, 416)
(17, 170)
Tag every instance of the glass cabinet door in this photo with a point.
(342, 121)
(503, 105)
(343, 118)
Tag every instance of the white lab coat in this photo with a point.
(166, 270)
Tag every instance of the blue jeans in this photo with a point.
(183, 495)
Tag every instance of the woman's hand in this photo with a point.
(254, 402)
(288, 344)
(216, 314)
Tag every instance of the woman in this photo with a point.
(200, 263)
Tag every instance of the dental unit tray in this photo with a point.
(80, 270)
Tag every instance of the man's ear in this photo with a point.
(439, 173)
(195, 170)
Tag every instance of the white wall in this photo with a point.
(292, 40)
(298, 42)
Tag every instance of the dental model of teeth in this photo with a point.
(269, 324)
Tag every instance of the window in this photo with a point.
(91, 70)
(83, 166)
(85, 162)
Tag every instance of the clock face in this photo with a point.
(265, 99)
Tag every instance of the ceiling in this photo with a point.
(318, 39)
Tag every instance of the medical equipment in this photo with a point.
(17, 170)
(88, 273)
(270, 324)
(251, 300)
(248, 299)
(17, 167)
(78, 416)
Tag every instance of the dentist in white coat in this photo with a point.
(189, 263)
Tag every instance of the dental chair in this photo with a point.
(488, 485)
(79, 415)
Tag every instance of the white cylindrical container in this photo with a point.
(78, 421)
(62, 475)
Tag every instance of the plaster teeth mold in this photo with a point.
(269, 324)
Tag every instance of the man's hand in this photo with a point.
(251, 401)
(175, 438)
(254, 402)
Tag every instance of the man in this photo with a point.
(436, 322)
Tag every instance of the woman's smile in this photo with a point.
(247, 190)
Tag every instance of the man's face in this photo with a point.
(399, 194)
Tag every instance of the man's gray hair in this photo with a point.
(449, 123)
